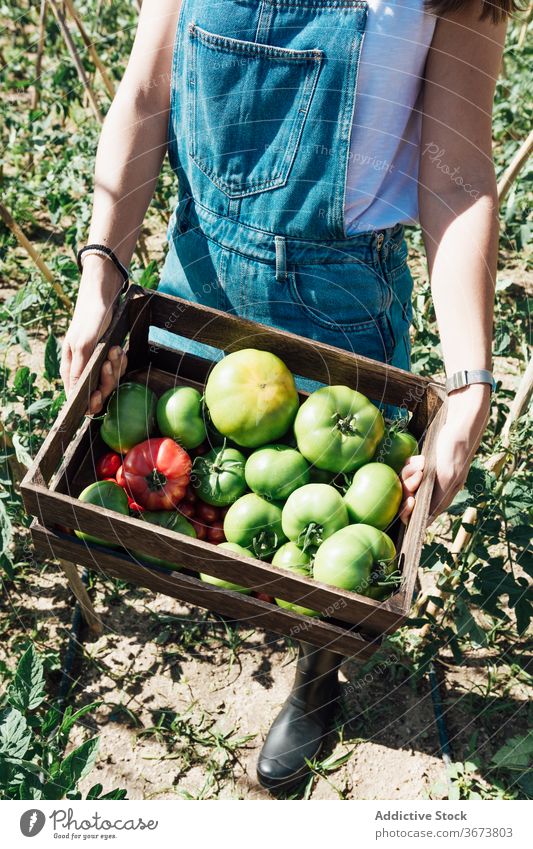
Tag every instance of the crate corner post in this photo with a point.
(79, 590)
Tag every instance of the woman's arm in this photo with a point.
(130, 154)
(459, 218)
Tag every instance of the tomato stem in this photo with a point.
(156, 480)
(346, 425)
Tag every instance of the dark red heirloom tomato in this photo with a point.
(108, 465)
(157, 473)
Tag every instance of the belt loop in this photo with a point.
(281, 258)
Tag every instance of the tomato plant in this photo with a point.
(157, 473)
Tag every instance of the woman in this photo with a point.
(305, 134)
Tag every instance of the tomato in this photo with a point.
(264, 597)
(275, 471)
(338, 429)
(179, 415)
(374, 496)
(312, 513)
(382, 576)
(157, 473)
(218, 476)
(251, 397)
(350, 558)
(395, 448)
(119, 476)
(215, 534)
(134, 507)
(228, 585)
(186, 509)
(106, 494)
(200, 529)
(290, 557)
(173, 521)
(108, 465)
(190, 495)
(206, 513)
(130, 416)
(255, 524)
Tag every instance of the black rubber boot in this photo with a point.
(304, 721)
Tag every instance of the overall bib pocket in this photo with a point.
(247, 104)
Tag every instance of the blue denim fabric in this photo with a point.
(263, 97)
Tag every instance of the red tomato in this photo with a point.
(190, 495)
(201, 530)
(264, 597)
(201, 449)
(108, 465)
(119, 477)
(186, 509)
(206, 513)
(215, 533)
(134, 507)
(157, 473)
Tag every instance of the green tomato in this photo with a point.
(374, 495)
(383, 554)
(251, 397)
(395, 448)
(228, 585)
(173, 521)
(218, 476)
(275, 471)
(179, 415)
(344, 560)
(106, 494)
(338, 429)
(130, 417)
(255, 524)
(312, 514)
(292, 558)
(355, 559)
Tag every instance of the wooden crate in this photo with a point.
(353, 624)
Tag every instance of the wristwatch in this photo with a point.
(465, 378)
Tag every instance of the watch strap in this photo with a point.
(465, 378)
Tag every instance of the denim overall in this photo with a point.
(263, 95)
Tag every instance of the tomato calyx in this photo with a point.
(347, 425)
(156, 480)
(311, 537)
(264, 544)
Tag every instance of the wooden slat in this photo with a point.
(136, 535)
(257, 613)
(303, 356)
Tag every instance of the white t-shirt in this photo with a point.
(382, 177)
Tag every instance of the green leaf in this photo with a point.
(21, 452)
(27, 690)
(22, 381)
(6, 530)
(78, 764)
(38, 406)
(467, 626)
(70, 719)
(517, 753)
(15, 736)
(52, 357)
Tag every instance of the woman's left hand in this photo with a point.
(457, 442)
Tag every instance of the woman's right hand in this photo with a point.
(97, 298)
